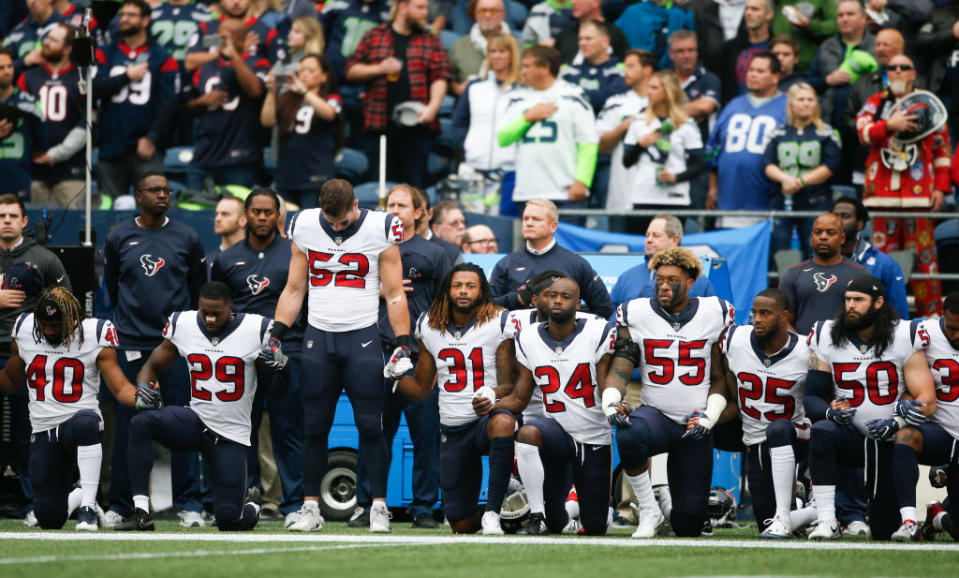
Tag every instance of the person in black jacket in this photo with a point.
(937, 45)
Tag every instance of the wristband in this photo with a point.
(279, 328)
(715, 404)
(403, 341)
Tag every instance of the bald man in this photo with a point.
(480, 239)
(816, 287)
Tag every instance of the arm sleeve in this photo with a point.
(166, 101)
(818, 394)
(513, 131)
(75, 140)
(832, 151)
(586, 155)
(825, 25)
(503, 295)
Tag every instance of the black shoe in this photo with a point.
(425, 521)
(359, 519)
(536, 526)
(707, 528)
(137, 521)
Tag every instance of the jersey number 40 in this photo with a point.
(63, 391)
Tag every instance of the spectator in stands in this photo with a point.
(906, 16)
(757, 17)
(801, 158)
(716, 24)
(508, 281)
(345, 22)
(664, 232)
(26, 39)
(135, 86)
(22, 135)
(786, 49)
(405, 70)
(599, 74)
(892, 182)
(613, 123)
(937, 44)
(11, 14)
(448, 224)
(649, 24)
(229, 138)
(546, 20)
(703, 88)
(481, 112)
(468, 54)
(58, 174)
(305, 37)
(557, 148)
(310, 128)
(261, 40)
(270, 12)
(854, 217)
(567, 41)
(810, 22)
(737, 179)
(480, 239)
(667, 149)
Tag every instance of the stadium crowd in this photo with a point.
(657, 105)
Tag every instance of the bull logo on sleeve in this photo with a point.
(151, 264)
(257, 284)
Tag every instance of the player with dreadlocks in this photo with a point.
(61, 357)
(463, 341)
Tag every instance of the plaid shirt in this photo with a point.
(426, 61)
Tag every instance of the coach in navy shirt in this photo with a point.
(153, 266)
(255, 269)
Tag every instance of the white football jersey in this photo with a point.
(344, 272)
(943, 361)
(618, 108)
(684, 139)
(62, 381)
(565, 374)
(465, 361)
(872, 385)
(222, 370)
(770, 387)
(546, 153)
(677, 351)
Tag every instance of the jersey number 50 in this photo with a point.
(873, 387)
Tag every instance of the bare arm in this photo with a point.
(609, 140)
(322, 108)
(288, 307)
(391, 276)
(620, 369)
(506, 368)
(919, 381)
(123, 390)
(701, 107)
(195, 60)
(246, 78)
(160, 360)
(268, 111)
(14, 374)
(418, 386)
(517, 401)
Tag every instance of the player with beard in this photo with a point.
(565, 358)
(674, 341)
(766, 368)
(934, 442)
(465, 350)
(861, 365)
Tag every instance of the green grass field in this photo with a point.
(338, 550)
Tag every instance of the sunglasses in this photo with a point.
(899, 67)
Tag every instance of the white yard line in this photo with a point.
(161, 555)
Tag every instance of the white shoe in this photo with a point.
(380, 518)
(777, 529)
(649, 520)
(491, 526)
(30, 519)
(308, 518)
(191, 519)
(111, 519)
(573, 526)
(101, 516)
(908, 532)
(291, 519)
(858, 528)
(826, 530)
(87, 520)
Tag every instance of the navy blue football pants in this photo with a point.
(53, 458)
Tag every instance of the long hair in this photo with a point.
(69, 307)
(884, 328)
(314, 41)
(441, 310)
(507, 41)
(675, 98)
(791, 95)
(289, 103)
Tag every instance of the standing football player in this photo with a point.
(464, 349)
(49, 345)
(221, 349)
(859, 367)
(674, 340)
(931, 443)
(766, 367)
(341, 256)
(566, 358)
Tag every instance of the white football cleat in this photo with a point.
(491, 525)
(308, 518)
(291, 519)
(908, 532)
(858, 528)
(380, 518)
(649, 521)
(30, 519)
(826, 530)
(777, 529)
(111, 519)
(191, 519)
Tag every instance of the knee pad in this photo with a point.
(779, 433)
(86, 428)
(631, 443)
(369, 426)
(141, 425)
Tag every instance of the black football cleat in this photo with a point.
(138, 521)
(536, 526)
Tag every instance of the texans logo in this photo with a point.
(257, 284)
(150, 264)
(823, 283)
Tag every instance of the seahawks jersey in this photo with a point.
(62, 380)
(344, 272)
(618, 108)
(28, 136)
(173, 27)
(465, 361)
(943, 361)
(872, 384)
(769, 387)
(222, 370)
(565, 374)
(547, 151)
(677, 350)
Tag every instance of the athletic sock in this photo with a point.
(801, 518)
(908, 513)
(74, 498)
(941, 521)
(141, 502)
(530, 468)
(783, 464)
(501, 451)
(825, 502)
(643, 488)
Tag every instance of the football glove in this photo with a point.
(615, 418)
(701, 429)
(841, 416)
(147, 397)
(398, 364)
(938, 476)
(487, 392)
(272, 354)
(883, 429)
(911, 411)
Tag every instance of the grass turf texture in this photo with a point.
(730, 552)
